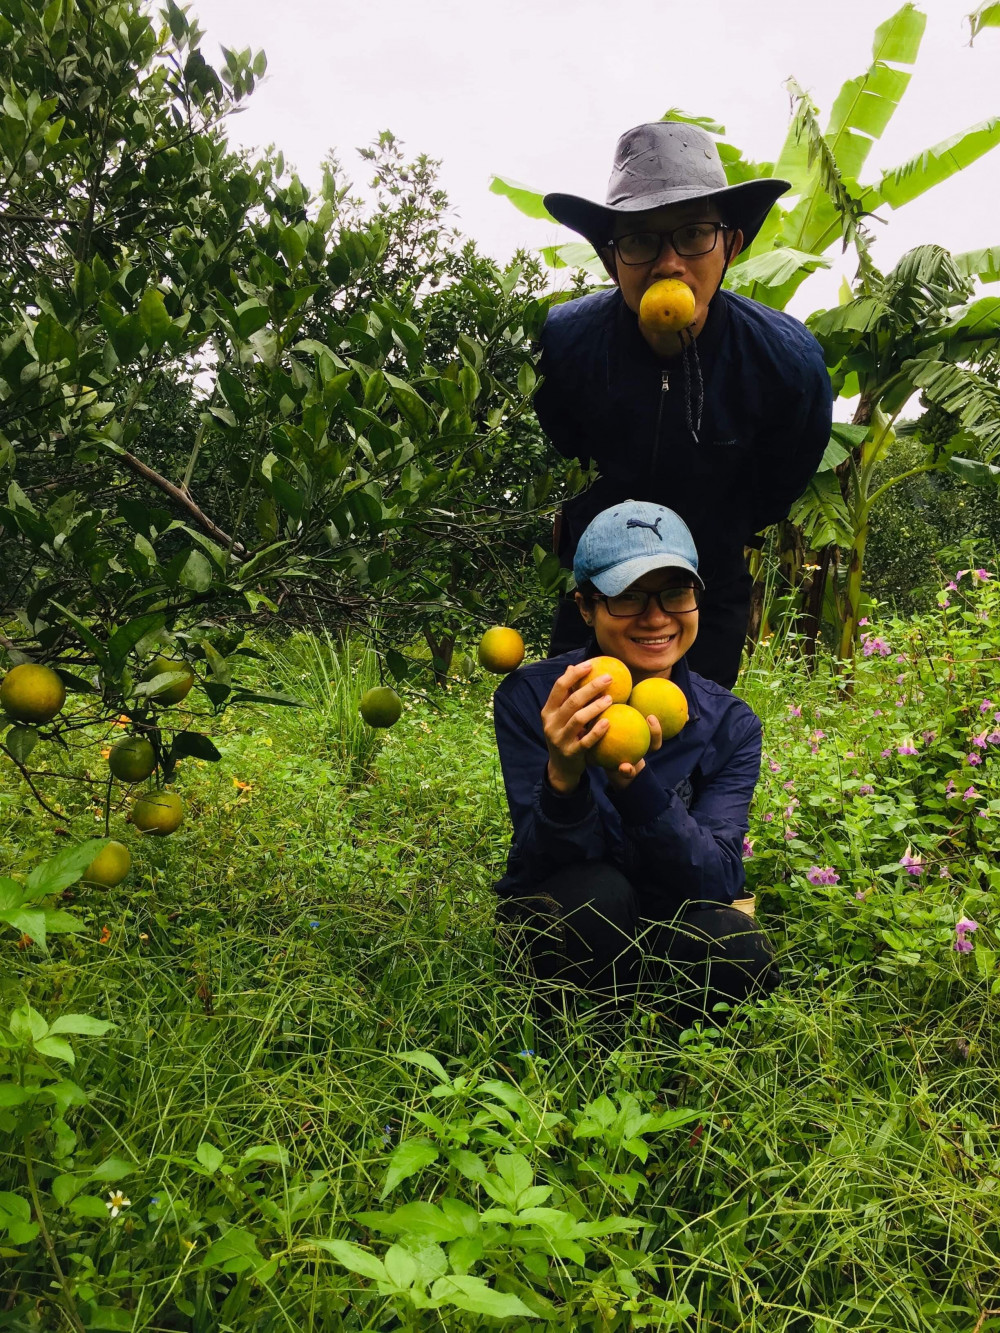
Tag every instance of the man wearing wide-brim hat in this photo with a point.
(724, 421)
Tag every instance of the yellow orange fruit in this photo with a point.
(132, 760)
(381, 706)
(667, 306)
(110, 866)
(501, 649)
(174, 693)
(32, 693)
(158, 812)
(626, 739)
(665, 701)
(621, 678)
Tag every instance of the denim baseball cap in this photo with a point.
(626, 541)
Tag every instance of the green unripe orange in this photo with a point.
(110, 866)
(32, 693)
(158, 812)
(132, 759)
(174, 693)
(381, 706)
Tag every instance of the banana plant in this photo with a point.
(913, 331)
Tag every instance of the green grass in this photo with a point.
(829, 1161)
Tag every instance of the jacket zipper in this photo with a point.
(664, 390)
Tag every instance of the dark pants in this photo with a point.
(715, 654)
(585, 928)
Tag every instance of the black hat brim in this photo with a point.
(745, 205)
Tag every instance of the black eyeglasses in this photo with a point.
(672, 602)
(694, 238)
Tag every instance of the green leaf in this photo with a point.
(426, 1061)
(822, 512)
(292, 244)
(574, 254)
(353, 1258)
(981, 264)
(63, 869)
(56, 1048)
(153, 318)
(196, 745)
(52, 342)
(466, 1292)
(196, 572)
(88, 1205)
(934, 165)
(251, 316)
(66, 1187)
(235, 1252)
(271, 1153)
(265, 697)
(20, 741)
(94, 644)
(124, 639)
(523, 197)
(411, 1156)
(27, 922)
(986, 16)
(209, 1156)
(12, 1094)
(973, 472)
(112, 1169)
(27, 1024)
(81, 1025)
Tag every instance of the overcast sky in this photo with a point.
(539, 90)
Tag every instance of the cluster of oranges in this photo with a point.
(32, 695)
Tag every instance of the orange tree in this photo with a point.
(212, 413)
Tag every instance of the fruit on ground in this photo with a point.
(626, 739)
(665, 701)
(621, 678)
(32, 693)
(110, 866)
(501, 649)
(132, 759)
(380, 707)
(158, 812)
(174, 693)
(667, 306)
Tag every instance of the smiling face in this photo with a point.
(702, 273)
(649, 644)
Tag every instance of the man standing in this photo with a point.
(724, 421)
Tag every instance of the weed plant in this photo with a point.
(322, 1104)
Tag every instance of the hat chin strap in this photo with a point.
(725, 270)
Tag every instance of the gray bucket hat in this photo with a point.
(667, 162)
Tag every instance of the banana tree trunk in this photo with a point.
(852, 593)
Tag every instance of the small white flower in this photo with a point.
(116, 1202)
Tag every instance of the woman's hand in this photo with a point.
(626, 774)
(572, 722)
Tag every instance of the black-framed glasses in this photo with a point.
(672, 602)
(694, 238)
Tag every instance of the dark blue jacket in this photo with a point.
(765, 422)
(676, 831)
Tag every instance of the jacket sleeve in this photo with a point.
(696, 854)
(557, 404)
(550, 830)
(795, 445)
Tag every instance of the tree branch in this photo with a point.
(182, 498)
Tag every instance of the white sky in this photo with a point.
(539, 90)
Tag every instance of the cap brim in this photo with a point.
(748, 205)
(616, 580)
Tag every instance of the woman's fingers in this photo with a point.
(655, 732)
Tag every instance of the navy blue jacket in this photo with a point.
(765, 423)
(676, 831)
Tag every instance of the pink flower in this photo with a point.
(906, 749)
(970, 794)
(747, 849)
(900, 678)
(963, 945)
(996, 716)
(871, 644)
(900, 703)
(960, 572)
(945, 873)
(973, 759)
(993, 738)
(861, 894)
(886, 754)
(963, 929)
(818, 736)
(914, 864)
(980, 741)
(794, 710)
(789, 834)
(928, 736)
(788, 785)
(864, 621)
(822, 875)
(983, 814)
(866, 789)
(950, 789)
(774, 766)
(848, 754)
(983, 575)
(951, 587)
(877, 712)
(967, 925)
(986, 705)
(944, 602)
(768, 817)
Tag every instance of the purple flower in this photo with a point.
(747, 849)
(970, 794)
(980, 741)
(768, 817)
(983, 814)
(951, 587)
(963, 945)
(872, 644)
(950, 789)
(886, 754)
(789, 834)
(906, 749)
(996, 716)
(986, 705)
(861, 894)
(963, 929)
(818, 736)
(794, 710)
(973, 759)
(848, 754)
(864, 621)
(944, 873)
(788, 785)
(774, 766)
(983, 575)
(914, 864)
(822, 875)
(900, 678)
(960, 572)
(966, 925)
(877, 712)
(866, 789)
(944, 602)
(928, 736)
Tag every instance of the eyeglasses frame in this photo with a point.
(668, 236)
(602, 597)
